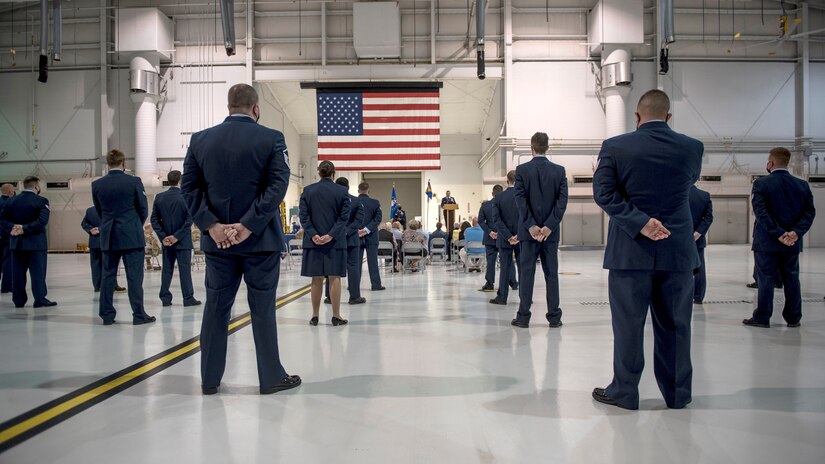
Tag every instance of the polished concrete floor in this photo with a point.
(426, 372)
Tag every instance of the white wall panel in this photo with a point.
(732, 99)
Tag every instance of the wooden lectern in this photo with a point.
(449, 217)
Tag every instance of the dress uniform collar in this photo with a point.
(240, 118)
(655, 124)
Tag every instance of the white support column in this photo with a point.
(104, 84)
(323, 34)
(432, 31)
(506, 154)
(250, 40)
(802, 93)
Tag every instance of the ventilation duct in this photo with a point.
(228, 23)
(616, 80)
(481, 8)
(144, 85)
(666, 15)
(58, 19)
(44, 41)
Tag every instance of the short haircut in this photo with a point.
(438, 225)
(8, 189)
(654, 103)
(413, 225)
(173, 177)
(242, 97)
(363, 187)
(781, 156)
(31, 182)
(342, 181)
(497, 189)
(540, 142)
(115, 158)
(511, 177)
(326, 169)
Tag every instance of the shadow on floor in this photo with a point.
(407, 386)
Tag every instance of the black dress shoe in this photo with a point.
(355, 301)
(555, 324)
(109, 322)
(147, 320)
(514, 287)
(166, 303)
(378, 289)
(487, 288)
(291, 381)
(193, 303)
(336, 321)
(97, 290)
(119, 289)
(698, 302)
(45, 304)
(753, 323)
(600, 396)
(496, 301)
(519, 324)
(19, 306)
(209, 390)
(794, 325)
(327, 300)
(313, 321)
(752, 285)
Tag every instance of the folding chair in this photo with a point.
(412, 251)
(475, 260)
(438, 248)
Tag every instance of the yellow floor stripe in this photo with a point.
(49, 414)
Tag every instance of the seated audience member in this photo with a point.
(152, 247)
(464, 226)
(456, 231)
(412, 235)
(385, 235)
(472, 234)
(425, 234)
(437, 233)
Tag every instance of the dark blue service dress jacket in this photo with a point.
(325, 210)
(657, 166)
(781, 203)
(536, 181)
(32, 212)
(237, 171)
(120, 201)
(170, 216)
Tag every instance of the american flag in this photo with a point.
(380, 131)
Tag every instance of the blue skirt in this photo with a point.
(320, 262)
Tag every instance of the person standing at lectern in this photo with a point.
(449, 218)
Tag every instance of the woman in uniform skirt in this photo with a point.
(324, 211)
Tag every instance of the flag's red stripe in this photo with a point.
(402, 131)
(400, 107)
(401, 95)
(396, 119)
(381, 157)
(388, 168)
(435, 144)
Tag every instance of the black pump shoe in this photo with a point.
(313, 321)
(336, 321)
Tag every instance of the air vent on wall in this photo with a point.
(711, 178)
(58, 185)
(582, 179)
(816, 179)
(166, 183)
